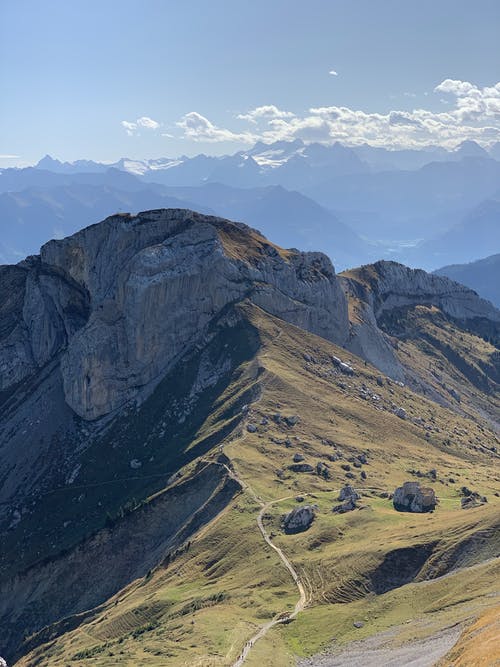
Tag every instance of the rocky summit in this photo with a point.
(119, 302)
(174, 387)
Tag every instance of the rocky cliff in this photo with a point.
(378, 293)
(121, 301)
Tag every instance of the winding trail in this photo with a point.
(301, 603)
(283, 617)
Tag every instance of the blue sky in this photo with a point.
(180, 74)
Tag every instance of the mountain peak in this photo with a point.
(47, 162)
(470, 148)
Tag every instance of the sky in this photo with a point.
(111, 78)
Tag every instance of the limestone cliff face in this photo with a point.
(40, 310)
(377, 290)
(123, 300)
(398, 286)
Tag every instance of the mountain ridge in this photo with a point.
(157, 350)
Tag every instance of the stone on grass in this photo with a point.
(411, 497)
(301, 467)
(348, 491)
(299, 519)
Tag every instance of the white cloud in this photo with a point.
(144, 122)
(472, 113)
(333, 72)
(198, 128)
(263, 112)
(148, 123)
(9, 157)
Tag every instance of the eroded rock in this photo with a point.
(299, 519)
(411, 497)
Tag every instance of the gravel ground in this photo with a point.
(377, 652)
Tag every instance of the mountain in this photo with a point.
(179, 393)
(409, 204)
(280, 163)
(395, 200)
(475, 236)
(483, 276)
(469, 149)
(286, 216)
(48, 163)
(34, 215)
(15, 180)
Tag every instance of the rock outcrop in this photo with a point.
(411, 497)
(348, 497)
(122, 300)
(347, 492)
(299, 519)
(377, 290)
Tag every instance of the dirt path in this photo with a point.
(301, 603)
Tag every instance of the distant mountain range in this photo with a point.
(37, 214)
(264, 159)
(358, 204)
(482, 276)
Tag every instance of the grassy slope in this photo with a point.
(478, 644)
(201, 608)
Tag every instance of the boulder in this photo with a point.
(347, 506)
(400, 412)
(323, 470)
(411, 497)
(472, 499)
(292, 420)
(347, 492)
(299, 519)
(301, 467)
(251, 428)
(297, 458)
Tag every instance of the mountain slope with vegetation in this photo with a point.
(157, 530)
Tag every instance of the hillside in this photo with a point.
(171, 370)
(482, 276)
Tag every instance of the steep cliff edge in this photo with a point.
(124, 299)
(426, 330)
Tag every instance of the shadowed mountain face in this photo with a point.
(153, 366)
(482, 276)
